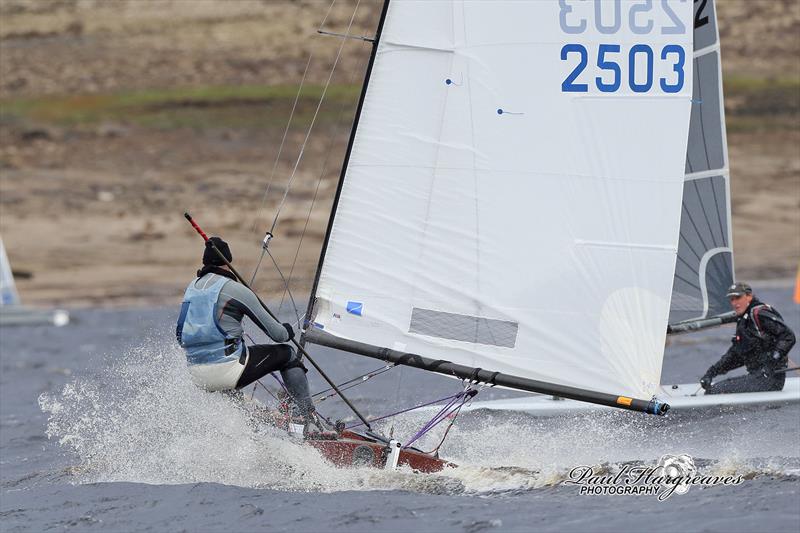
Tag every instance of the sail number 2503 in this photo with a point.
(639, 66)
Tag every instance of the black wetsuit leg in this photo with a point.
(266, 358)
(262, 360)
(748, 383)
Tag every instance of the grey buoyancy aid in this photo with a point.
(198, 330)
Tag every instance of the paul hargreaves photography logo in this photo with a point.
(673, 474)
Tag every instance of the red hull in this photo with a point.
(352, 449)
(347, 448)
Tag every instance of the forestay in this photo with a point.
(513, 190)
(705, 259)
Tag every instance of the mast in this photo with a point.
(373, 52)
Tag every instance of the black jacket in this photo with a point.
(760, 332)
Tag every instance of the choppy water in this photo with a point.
(101, 429)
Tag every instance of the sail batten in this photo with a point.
(514, 204)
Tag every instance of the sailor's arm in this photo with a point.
(251, 307)
(731, 360)
(782, 335)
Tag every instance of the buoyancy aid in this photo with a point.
(198, 330)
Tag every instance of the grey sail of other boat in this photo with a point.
(509, 209)
(704, 268)
(12, 312)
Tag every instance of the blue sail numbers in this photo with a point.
(618, 63)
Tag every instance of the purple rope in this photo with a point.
(446, 411)
(451, 398)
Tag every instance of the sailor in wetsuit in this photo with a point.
(210, 330)
(762, 343)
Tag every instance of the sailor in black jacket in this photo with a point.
(761, 344)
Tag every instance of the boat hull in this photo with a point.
(682, 397)
(18, 315)
(352, 449)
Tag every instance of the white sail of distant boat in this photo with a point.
(705, 257)
(8, 290)
(12, 312)
(510, 202)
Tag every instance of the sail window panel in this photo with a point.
(706, 131)
(474, 329)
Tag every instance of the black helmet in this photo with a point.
(210, 257)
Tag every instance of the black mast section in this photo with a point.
(313, 295)
(701, 323)
(479, 375)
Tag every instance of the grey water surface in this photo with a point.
(101, 430)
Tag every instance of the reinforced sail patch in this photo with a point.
(355, 308)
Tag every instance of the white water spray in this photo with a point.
(141, 419)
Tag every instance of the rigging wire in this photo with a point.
(377, 371)
(313, 120)
(286, 288)
(280, 149)
(329, 151)
(355, 382)
(330, 8)
(269, 234)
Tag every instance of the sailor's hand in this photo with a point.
(289, 331)
(777, 356)
(705, 382)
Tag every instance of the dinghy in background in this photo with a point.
(682, 397)
(12, 312)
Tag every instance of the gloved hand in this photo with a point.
(289, 331)
(777, 356)
(705, 381)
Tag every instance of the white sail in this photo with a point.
(513, 191)
(704, 269)
(8, 290)
(12, 312)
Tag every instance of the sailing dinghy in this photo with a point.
(508, 212)
(12, 312)
(531, 193)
